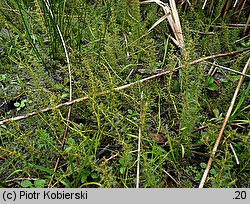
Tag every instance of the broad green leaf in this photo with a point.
(39, 183)
(26, 184)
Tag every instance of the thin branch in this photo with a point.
(232, 25)
(204, 4)
(176, 182)
(139, 144)
(78, 100)
(4, 100)
(243, 38)
(247, 24)
(204, 177)
(21, 179)
(235, 3)
(220, 55)
(10, 8)
(203, 33)
(235, 155)
(229, 69)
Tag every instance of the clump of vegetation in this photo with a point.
(71, 83)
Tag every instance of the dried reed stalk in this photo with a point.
(78, 100)
(204, 177)
(228, 69)
(139, 143)
(247, 25)
(171, 14)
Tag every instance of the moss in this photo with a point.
(109, 46)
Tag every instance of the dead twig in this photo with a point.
(247, 25)
(21, 179)
(139, 144)
(171, 14)
(176, 182)
(204, 177)
(232, 25)
(228, 69)
(10, 8)
(203, 33)
(243, 38)
(78, 100)
(204, 4)
(235, 155)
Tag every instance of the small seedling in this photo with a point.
(22, 104)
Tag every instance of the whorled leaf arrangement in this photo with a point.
(69, 103)
(70, 91)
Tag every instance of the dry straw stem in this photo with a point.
(176, 182)
(70, 89)
(243, 38)
(139, 143)
(247, 25)
(10, 8)
(235, 3)
(171, 14)
(204, 4)
(234, 25)
(177, 24)
(235, 155)
(78, 100)
(204, 177)
(229, 69)
(241, 7)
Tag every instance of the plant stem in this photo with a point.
(204, 177)
(120, 87)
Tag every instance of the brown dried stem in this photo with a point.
(69, 103)
(171, 14)
(204, 177)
